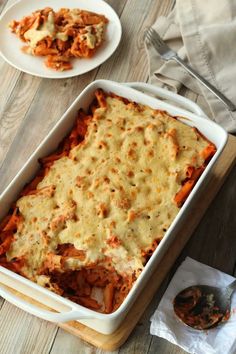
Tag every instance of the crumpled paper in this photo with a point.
(165, 324)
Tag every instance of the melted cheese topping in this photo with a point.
(118, 184)
(93, 39)
(48, 29)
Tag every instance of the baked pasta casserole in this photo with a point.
(88, 223)
(61, 35)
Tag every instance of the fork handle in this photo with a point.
(217, 93)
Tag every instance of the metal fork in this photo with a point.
(168, 54)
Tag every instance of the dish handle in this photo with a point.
(67, 312)
(166, 94)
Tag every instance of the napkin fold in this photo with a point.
(203, 33)
(164, 323)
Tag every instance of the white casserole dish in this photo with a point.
(68, 310)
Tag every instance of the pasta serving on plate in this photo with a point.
(61, 35)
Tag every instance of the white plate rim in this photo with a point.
(103, 53)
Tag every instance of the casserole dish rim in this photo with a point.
(165, 242)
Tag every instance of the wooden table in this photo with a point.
(30, 106)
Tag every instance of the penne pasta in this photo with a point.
(102, 202)
(108, 297)
(183, 193)
(61, 35)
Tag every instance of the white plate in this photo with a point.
(10, 45)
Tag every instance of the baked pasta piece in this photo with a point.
(100, 205)
(61, 35)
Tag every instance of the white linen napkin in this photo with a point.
(164, 323)
(203, 33)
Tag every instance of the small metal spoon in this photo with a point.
(203, 306)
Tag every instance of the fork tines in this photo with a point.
(161, 47)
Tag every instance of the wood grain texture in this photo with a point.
(73, 345)
(3, 4)
(9, 77)
(13, 114)
(24, 333)
(129, 63)
(29, 107)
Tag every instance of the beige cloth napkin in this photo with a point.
(202, 32)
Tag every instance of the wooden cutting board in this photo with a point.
(115, 340)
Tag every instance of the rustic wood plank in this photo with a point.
(220, 251)
(3, 4)
(15, 109)
(74, 345)
(118, 6)
(129, 63)
(140, 339)
(22, 333)
(9, 74)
